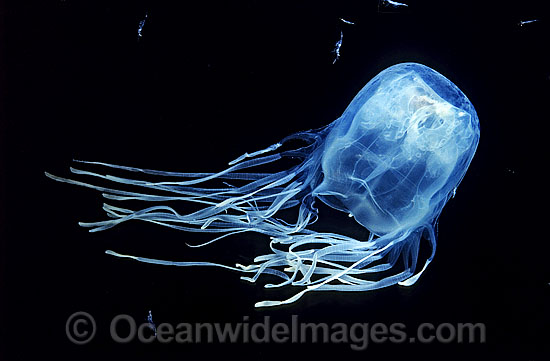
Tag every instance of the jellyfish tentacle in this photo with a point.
(342, 275)
(172, 263)
(201, 177)
(412, 280)
(254, 154)
(331, 262)
(323, 284)
(328, 261)
(255, 203)
(270, 192)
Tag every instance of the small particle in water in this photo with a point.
(525, 22)
(140, 27)
(346, 21)
(337, 47)
(152, 325)
(393, 4)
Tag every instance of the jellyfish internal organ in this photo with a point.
(391, 161)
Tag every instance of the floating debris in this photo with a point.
(152, 325)
(337, 47)
(525, 22)
(140, 27)
(393, 4)
(346, 21)
(390, 6)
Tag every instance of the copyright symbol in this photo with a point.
(80, 328)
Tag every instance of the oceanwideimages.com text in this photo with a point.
(81, 328)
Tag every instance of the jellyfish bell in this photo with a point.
(400, 148)
(392, 160)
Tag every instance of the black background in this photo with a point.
(209, 81)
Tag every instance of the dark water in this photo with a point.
(209, 81)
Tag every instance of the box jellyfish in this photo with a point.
(391, 161)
